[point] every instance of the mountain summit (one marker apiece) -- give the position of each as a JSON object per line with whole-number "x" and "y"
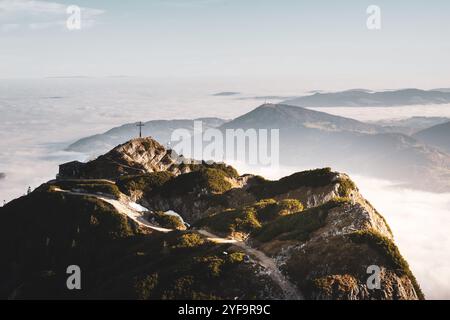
{"x": 137, "y": 156}
{"x": 197, "y": 231}
{"x": 288, "y": 116}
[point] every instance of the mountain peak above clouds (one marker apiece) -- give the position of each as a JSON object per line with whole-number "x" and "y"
{"x": 288, "y": 116}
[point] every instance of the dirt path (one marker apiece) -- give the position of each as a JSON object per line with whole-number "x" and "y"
{"x": 213, "y": 238}
{"x": 122, "y": 208}
{"x": 290, "y": 290}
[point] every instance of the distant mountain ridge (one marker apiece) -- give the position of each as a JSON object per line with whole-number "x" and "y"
{"x": 438, "y": 136}
{"x": 160, "y": 130}
{"x": 363, "y": 98}
{"x": 226, "y": 94}
{"x": 308, "y": 136}
{"x": 312, "y": 138}
{"x": 411, "y": 125}
{"x": 287, "y": 116}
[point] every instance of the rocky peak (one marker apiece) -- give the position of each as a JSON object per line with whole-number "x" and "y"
{"x": 137, "y": 156}
{"x": 144, "y": 153}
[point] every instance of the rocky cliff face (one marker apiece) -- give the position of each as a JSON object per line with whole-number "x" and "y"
{"x": 310, "y": 235}
{"x": 137, "y": 156}
{"x": 333, "y": 261}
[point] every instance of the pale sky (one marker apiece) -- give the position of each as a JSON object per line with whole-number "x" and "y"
{"x": 323, "y": 42}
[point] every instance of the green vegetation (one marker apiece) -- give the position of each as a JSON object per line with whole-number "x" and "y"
{"x": 87, "y": 186}
{"x": 104, "y": 167}
{"x": 386, "y": 247}
{"x": 215, "y": 180}
{"x": 188, "y": 240}
{"x": 228, "y": 170}
{"x": 145, "y": 285}
{"x": 266, "y": 210}
{"x": 145, "y": 182}
{"x": 165, "y": 270}
{"x": 230, "y": 221}
{"x": 211, "y": 265}
{"x": 311, "y": 178}
{"x": 346, "y": 187}
{"x": 334, "y": 286}
{"x": 289, "y": 206}
{"x": 298, "y": 226}
{"x": 45, "y": 231}
{"x": 236, "y": 257}
{"x": 209, "y": 180}
{"x": 250, "y": 218}
{"x": 270, "y": 209}
{"x": 169, "y": 221}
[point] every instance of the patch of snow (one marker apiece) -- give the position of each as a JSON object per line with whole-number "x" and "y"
{"x": 137, "y": 207}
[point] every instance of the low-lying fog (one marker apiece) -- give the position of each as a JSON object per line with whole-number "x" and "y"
{"x": 385, "y": 113}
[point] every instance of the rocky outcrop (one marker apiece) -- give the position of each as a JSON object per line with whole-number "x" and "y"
{"x": 334, "y": 261}
{"x": 137, "y": 156}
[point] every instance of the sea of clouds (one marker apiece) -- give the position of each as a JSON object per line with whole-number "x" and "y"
{"x": 39, "y": 118}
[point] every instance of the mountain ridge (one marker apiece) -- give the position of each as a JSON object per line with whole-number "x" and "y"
{"x": 282, "y": 115}
{"x": 361, "y": 98}
{"x": 350, "y": 145}
{"x": 159, "y": 129}
{"x": 438, "y": 136}
{"x": 251, "y": 238}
